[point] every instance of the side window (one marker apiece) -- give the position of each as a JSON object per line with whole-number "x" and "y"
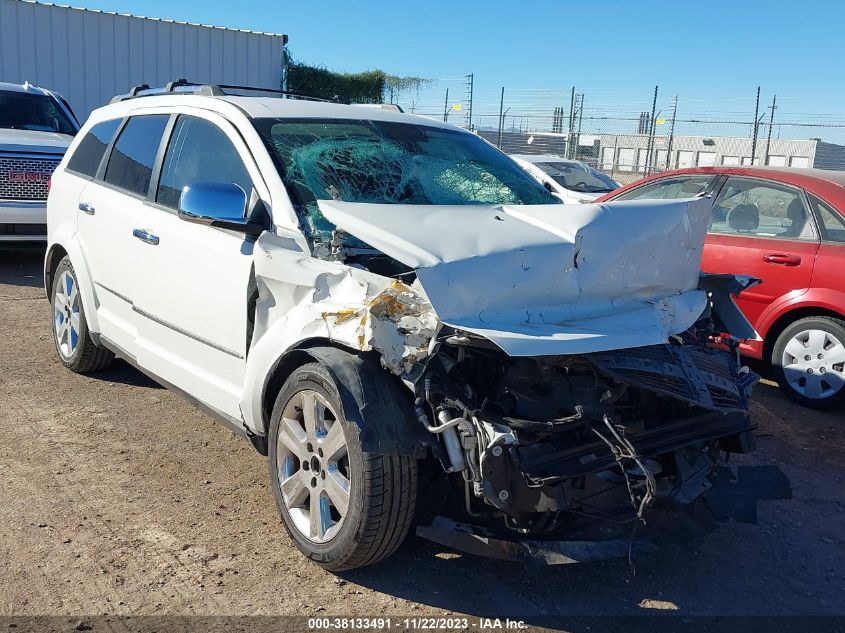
{"x": 747, "y": 206}
{"x": 131, "y": 162}
{"x": 831, "y": 223}
{"x": 199, "y": 151}
{"x": 86, "y": 159}
{"x": 670, "y": 188}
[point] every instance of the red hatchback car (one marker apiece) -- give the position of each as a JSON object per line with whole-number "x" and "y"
{"x": 786, "y": 227}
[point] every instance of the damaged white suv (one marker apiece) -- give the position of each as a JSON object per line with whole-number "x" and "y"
{"x": 402, "y": 319}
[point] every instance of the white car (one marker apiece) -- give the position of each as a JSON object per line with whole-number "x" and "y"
{"x": 36, "y": 128}
{"x": 570, "y": 180}
{"x": 400, "y": 318}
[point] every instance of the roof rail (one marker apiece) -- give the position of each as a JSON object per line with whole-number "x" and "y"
{"x": 215, "y": 90}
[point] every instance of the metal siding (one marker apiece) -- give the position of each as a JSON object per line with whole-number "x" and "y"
{"x": 135, "y": 43}
{"x": 43, "y": 67}
{"x": 75, "y": 92}
{"x": 90, "y": 56}
{"x": 60, "y": 60}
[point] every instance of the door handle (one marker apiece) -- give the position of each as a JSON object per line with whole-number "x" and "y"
{"x": 781, "y": 259}
{"x": 86, "y": 208}
{"x": 142, "y": 235}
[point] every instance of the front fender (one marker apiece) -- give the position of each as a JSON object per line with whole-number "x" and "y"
{"x": 65, "y": 237}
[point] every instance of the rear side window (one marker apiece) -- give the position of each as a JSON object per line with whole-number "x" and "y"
{"x": 831, "y": 223}
{"x": 758, "y": 208}
{"x": 199, "y": 151}
{"x": 131, "y": 162}
{"x": 670, "y": 188}
{"x": 86, "y": 159}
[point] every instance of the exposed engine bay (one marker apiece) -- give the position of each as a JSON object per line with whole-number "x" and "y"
{"x": 542, "y": 441}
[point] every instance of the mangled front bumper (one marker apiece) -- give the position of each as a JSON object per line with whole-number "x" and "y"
{"x": 729, "y": 497}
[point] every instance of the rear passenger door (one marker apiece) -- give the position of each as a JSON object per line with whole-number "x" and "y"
{"x": 192, "y": 303}
{"x": 764, "y": 229}
{"x": 108, "y": 207}
{"x": 830, "y": 261}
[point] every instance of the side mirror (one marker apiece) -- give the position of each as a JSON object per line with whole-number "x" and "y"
{"x": 217, "y": 204}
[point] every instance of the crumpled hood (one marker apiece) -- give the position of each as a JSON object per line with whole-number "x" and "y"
{"x": 33, "y": 141}
{"x": 548, "y": 279}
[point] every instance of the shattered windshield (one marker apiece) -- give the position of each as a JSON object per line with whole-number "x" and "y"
{"x": 389, "y": 163}
{"x": 578, "y": 177}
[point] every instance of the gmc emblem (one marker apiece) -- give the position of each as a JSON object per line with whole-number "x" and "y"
{"x": 28, "y": 176}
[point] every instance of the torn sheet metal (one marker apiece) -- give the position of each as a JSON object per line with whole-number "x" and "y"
{"x": 546, "y": 279}
{"x": 397, "y": 322}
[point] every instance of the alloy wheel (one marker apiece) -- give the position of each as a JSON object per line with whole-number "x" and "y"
{"x": 312, "y": 464}
{"x": 66, "y": 314}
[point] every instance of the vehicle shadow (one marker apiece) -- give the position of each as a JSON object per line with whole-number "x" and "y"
{"x": 426, "y": 573}
{"x": 123, "y": 373}
{"x": 22, "y": 265}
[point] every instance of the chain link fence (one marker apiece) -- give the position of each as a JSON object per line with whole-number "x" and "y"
{"x": 630, "y": 139}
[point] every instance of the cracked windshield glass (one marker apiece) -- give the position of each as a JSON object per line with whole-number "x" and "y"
{"x": 389, "y": 163}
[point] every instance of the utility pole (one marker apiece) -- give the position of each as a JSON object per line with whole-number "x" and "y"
{"x": 650, "y": 144}
{"x": 446, "y": 107}
{"x": 501, "y": 117}
{"x": 672, "y": 130}
{"x": 580, "y": 118}
{"x": 771, "y": 120}
{"x": 755, "y": 127}
{"x": 570, "y": 138}
{"x": 470, "y": 86}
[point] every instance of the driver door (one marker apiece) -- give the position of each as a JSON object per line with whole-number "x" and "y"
{"x": 192, "y": 302}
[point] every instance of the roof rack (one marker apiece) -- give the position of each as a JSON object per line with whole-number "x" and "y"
{"x": 183, "y": 86}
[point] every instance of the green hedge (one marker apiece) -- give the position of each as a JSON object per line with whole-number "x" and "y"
{"x": 318, "y": 81}
{"x": 372, "y": 86}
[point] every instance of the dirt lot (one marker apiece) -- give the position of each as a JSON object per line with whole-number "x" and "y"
{"x": 119, "y": 497}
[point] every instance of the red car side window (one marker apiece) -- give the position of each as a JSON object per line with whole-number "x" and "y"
{"x": 761, "y": 208}
{"x": 670, "y": 188}
{"x": 831, "y": 223}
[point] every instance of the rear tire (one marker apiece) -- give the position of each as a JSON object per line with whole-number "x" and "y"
{"x": 336, "y": 531}
{"x": 76, "y": 350}
{"x": 808, "y": 360}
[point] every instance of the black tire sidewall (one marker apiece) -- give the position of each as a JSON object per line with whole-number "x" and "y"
{"x": 832, "y": 326}
{"x": 336, "y": 550}
{"x": 74, "y": 360}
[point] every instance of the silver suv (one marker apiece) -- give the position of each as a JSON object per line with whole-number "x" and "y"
{"x": 410, "y": 327}
{"x": 36, "y": 128}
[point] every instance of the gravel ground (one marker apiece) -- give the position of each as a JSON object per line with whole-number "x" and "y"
{"x": 116, "y": 496}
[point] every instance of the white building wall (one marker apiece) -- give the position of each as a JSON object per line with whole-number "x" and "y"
{"x": 90, "y": 56}
{"x": 691, "y": 151}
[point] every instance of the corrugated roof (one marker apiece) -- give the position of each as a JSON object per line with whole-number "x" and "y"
{"x": 144, "y": 17}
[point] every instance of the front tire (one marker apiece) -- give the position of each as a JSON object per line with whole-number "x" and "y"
{"x": 344, "y": 508}
{"x": 808, "y": 359}
{"x": 76, "y": 350}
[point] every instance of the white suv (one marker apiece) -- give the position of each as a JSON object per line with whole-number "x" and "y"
{"x": 401, "y": 318}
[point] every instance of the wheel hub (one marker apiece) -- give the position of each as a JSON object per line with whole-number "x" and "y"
{"x": 814, "y": 364}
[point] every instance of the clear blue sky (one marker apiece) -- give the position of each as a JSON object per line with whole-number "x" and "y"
{"x": 711, "y": 53}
